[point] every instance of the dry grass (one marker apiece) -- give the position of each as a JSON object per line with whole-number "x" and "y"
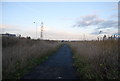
{"x": 96, "y": 60}
{"x": 18, "y": 54}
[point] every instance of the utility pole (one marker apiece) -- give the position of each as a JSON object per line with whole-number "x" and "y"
{"x": 41, "y": 30}
{"x": 36, "y": 29}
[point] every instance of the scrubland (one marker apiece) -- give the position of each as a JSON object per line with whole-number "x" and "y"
{"x": 19, "y": 55}
{"x": 96, "y": 59}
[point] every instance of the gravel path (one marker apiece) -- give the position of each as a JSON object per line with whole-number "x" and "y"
{"x": 58, "y": 66}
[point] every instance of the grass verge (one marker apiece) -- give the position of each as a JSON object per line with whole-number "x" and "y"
{"x": 20, "y": 55}
{"x": 33, "y": 62}
{"x": 96, "y": 60}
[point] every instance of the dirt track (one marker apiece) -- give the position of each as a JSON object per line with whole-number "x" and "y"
{"x": 58, "y": 66}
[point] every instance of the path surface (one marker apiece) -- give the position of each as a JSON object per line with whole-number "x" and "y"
{"x": 58, "y": 66}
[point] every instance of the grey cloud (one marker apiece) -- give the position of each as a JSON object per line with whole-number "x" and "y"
{"x": 104, "y": 31}
{"x": 108, "y": 24}
{"x": 90, "y": 20}
{"x": 96, "y": 32}
{"x": 100, "y": 24}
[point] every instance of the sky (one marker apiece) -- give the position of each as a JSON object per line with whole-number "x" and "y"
{"x": 61, "y": 20}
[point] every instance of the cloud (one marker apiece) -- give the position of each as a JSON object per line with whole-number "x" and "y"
{"x": 96, "y": 32}
{"x": 88, "y": 20}
{"x": 105, "y": 31}
{"x": 108, "y": 24}
{"x": 95, "y": 20}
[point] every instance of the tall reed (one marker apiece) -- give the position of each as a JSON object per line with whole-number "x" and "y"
{"x": 18, "y": 54}
{"x": 96, "y": 59}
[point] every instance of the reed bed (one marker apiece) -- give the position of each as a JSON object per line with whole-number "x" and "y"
{"x": 18, "y": 55}
{"x": 96, "y": 59}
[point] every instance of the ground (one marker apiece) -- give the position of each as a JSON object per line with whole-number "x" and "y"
{"x": 58, "y": 66}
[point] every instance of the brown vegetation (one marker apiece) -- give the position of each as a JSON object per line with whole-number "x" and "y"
{"x": 21, "y": 54}
{"x": 96, "y": 59}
